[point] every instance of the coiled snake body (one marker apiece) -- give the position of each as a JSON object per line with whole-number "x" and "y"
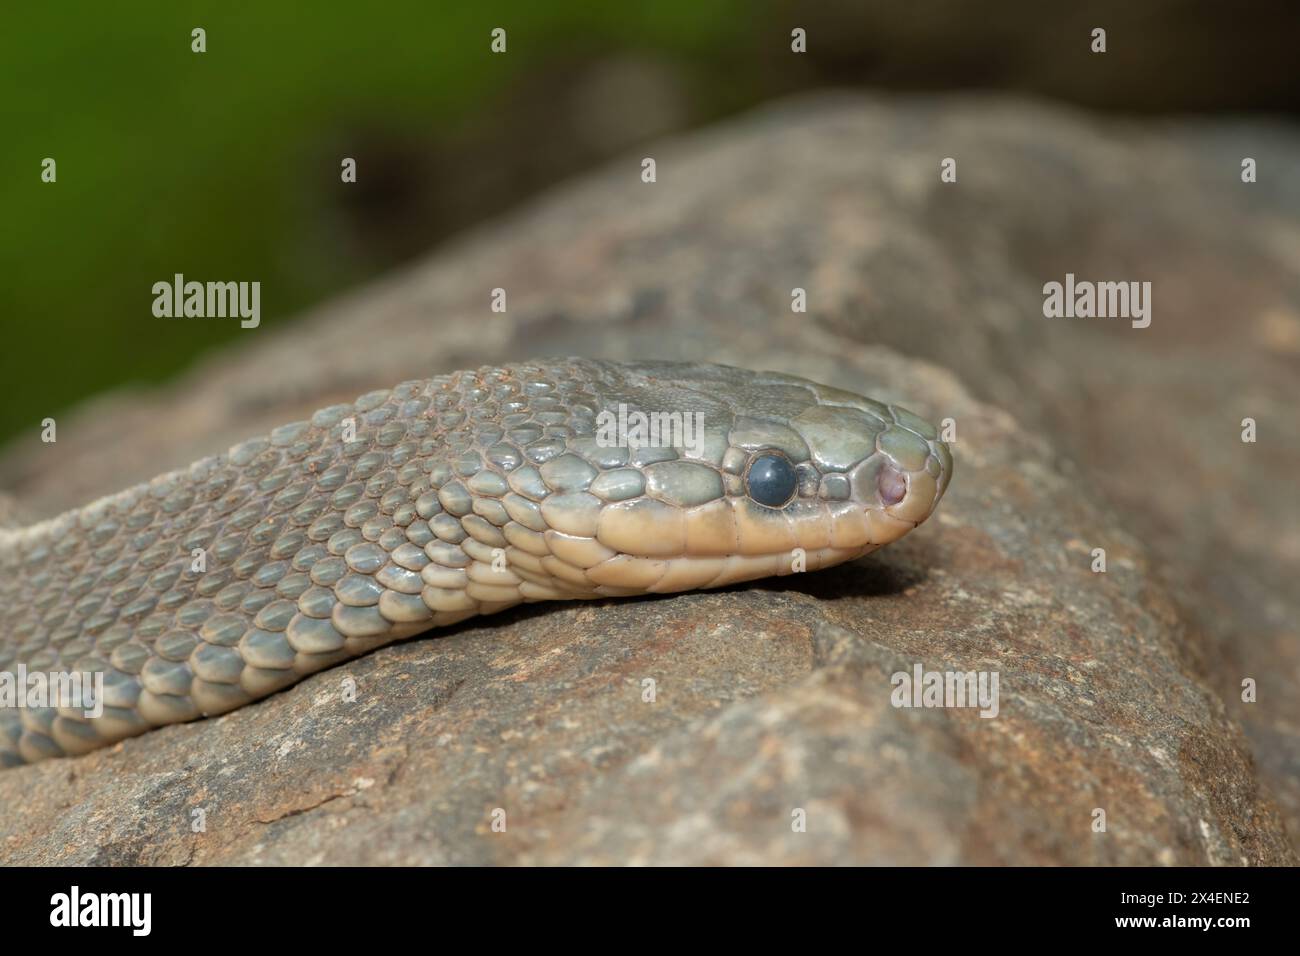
{"x": 437, "y": 500}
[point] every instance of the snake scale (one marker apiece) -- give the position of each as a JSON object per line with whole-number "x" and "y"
{"x": 422, "y": 505}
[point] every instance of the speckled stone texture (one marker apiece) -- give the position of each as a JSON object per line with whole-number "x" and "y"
{"x": 1118, "y": 691}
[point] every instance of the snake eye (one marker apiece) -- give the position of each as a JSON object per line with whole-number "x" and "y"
{"x": 771, "y": 480}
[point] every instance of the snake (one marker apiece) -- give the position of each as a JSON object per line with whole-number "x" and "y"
{"x": 428, "y": 503}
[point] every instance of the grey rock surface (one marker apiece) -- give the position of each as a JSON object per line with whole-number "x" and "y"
{"x": 1120, "y": 691}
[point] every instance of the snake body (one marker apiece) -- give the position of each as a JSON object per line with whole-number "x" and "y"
{"x": 431, "y": 502}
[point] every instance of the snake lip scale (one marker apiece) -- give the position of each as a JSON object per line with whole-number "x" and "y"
{"x": 431, "y": 502}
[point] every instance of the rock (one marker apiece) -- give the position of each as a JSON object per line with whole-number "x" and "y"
{"x": 776, "y": 697}
{"x": 769, "y": 699}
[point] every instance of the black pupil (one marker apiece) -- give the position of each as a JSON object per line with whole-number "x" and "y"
{"x": 771, "y": 480}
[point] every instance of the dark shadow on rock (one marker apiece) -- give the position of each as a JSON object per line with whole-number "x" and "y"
{"x": 871, "y": 576}
{"x": 866, "y": 577}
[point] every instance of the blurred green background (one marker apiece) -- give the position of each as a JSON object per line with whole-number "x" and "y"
{"x": 225, "y": 165}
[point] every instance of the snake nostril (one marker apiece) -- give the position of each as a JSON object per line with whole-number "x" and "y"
{"x": 891, "y": 485}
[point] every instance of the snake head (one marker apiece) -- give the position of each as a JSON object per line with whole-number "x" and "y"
{"x": 767, "y": 474}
